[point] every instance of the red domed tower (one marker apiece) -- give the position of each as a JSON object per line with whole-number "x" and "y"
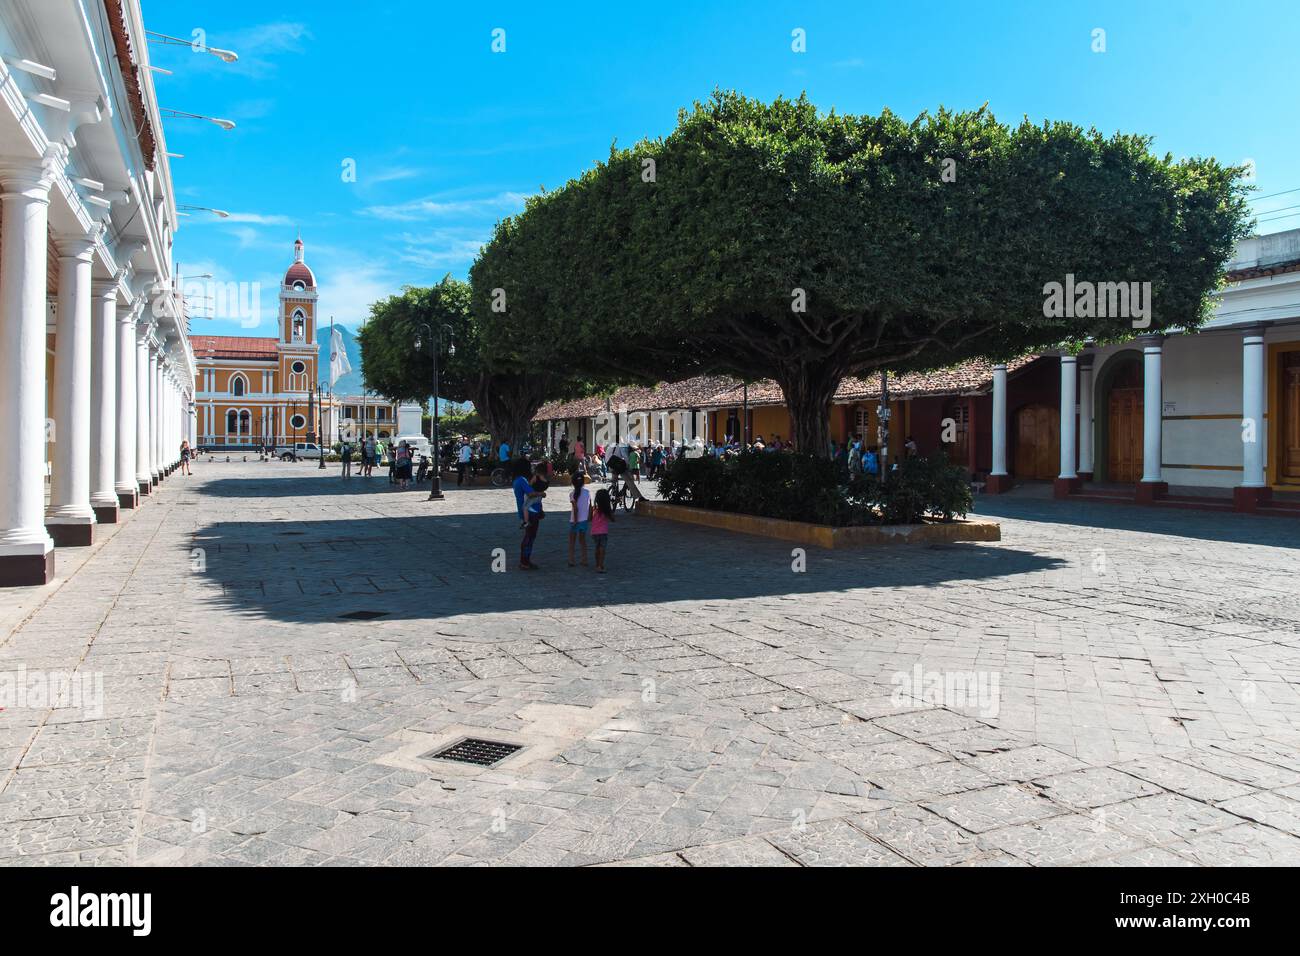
{"x": 297, "y": 344}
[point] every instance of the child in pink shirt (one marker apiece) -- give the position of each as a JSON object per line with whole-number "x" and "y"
{"x": 601, "y": 515}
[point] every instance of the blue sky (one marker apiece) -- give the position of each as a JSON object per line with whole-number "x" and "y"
{"x": 448, "y": 136}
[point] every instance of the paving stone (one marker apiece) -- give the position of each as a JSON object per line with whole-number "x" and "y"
{"x": 707, "y": 707}
{"x": 981, "y": 810}
{"x": 1165, "y": 817}
{"x": 1241, "y": 846}
{"x": 1183, "y": 778}
{"x": 1060, "y": 841}
{"x": 1094, "y": 787}
{"x": 833, "y": 843}
{"x": 752, "y": 851}
{"x": 921, "y": 836}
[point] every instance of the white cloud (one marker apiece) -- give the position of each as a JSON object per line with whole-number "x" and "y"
{"x": 433, "y": 207}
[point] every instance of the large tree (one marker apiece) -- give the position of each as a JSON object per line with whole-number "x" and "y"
{"x": 505, "y": 392}
{"x": 772, "y": 240}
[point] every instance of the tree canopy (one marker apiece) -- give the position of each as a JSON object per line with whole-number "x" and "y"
{"x": 773, "y": 240}
{"x": 491, "y": 366}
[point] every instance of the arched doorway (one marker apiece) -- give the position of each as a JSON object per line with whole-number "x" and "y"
{"x": 1119, "y": 419}
{"x": 1038, "y": 442}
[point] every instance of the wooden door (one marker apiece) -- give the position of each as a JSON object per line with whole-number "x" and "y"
{"x": 959, "y": 452}
{"x": 1038, "y": 442}
{"x": 1124, "y": 440}
{"x": 1289, "y": 426}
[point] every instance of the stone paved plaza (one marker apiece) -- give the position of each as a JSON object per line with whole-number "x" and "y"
{"x": 1107, "y": 685}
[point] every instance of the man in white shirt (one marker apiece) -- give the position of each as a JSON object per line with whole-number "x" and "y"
{"x": 462, "y": 462}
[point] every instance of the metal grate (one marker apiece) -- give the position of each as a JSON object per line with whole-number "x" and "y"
{"x": 481, "y": 753}
{"x": 363, "y": 615}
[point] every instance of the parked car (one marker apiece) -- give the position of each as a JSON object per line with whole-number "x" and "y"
{"x": 297, "y": 450}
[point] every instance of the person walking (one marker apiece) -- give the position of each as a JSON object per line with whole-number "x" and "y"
{"x": 345, "y": 456}
{"x": 601, "y": 515}
{"x": 401, "y": 465}
{"x": 462, "y": 461}
{"x": 579, "y": 515}
{"x": 634, "y": 463}
{"x": 185, "y": 457}
{"x": 871, "y": 462}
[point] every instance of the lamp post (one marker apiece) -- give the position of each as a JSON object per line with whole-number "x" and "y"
{"x": 435, "y": 344}
{"x": 320, "y": 424}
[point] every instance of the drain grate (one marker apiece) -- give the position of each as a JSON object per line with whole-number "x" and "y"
{"x": 481, "y": 753}
{"x": 363, "y": 615}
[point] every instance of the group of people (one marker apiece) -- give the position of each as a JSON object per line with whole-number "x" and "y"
{"x": 646, "y": 460}
{"x": 587, "y": 515}
{"x": 470, "y": 455}
{"x": 401, "y": 459}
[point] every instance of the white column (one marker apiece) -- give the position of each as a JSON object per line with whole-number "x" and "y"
{"x": 151, "y": 440}
{"x": 103, "y": 402}
{"x": 69, "y": 516}
{"x": 143, "y": 478}
{"x": 999, "y": 420}
{"x": 1252, "y": 409}
{"x": 26, "y": 550}
{"x": 1152, "y": 409}
{"x": 124, "y": 473}
{"x": 1069, "y": 387}
{"x": 1086, "y": 430}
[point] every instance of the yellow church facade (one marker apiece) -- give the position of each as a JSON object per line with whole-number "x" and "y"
{"x": 254, "y": 391}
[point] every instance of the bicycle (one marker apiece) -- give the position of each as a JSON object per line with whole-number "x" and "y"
{"x": 620, "y": 496}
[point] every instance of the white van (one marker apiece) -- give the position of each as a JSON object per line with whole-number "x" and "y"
{"x": 418, "y": 444}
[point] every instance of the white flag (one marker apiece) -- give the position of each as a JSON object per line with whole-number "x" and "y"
{"x": 339, "y": 364}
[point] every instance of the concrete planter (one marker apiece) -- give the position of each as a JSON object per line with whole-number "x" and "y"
{"x": 825, "y": 536}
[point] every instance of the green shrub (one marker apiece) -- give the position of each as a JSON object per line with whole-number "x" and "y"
{"x": 801, "y": 487}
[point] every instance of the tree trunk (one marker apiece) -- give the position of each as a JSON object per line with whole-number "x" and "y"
{"x": 808, "y": 392}
{"x": 507, "y": 404}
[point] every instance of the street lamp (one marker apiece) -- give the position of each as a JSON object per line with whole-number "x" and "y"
{"x": 219, "y": 213}
{"x": 181, "y": 114}
{"x": 320, "y": 424}
{"x": 435, "y": 342}
{"x": 225, "y": 56}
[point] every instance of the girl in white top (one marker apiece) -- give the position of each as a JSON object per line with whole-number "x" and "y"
{"x": 579, "y": 515}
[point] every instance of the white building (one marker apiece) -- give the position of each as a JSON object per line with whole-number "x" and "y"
{"x": 96, "y": 377}
{"x": 1214, "y": 409}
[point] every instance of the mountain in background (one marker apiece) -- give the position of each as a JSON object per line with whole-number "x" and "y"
{"x": 350, "y": 384}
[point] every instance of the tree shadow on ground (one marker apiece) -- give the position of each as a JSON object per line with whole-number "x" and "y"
{"x": 1235, "y": 528}
{"x": 442, "y": 565}
{"x": 314, "y": 483}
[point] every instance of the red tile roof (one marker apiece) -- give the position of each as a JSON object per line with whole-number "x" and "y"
{"x": 688, "y": 393}
{"x": 234, "y": 347}
{"x": 719, "y": 391}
